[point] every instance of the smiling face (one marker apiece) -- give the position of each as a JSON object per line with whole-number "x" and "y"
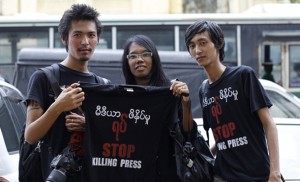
{"x": 140, "y": 66}
{"x": 82, "y": 40}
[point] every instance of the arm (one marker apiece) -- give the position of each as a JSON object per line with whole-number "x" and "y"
{"x": 213, "y": 149}
{"x": 272, "y": 141}
{"x": 38, "y": 121}
{"x": 181, "y": 89}
{"x": 187, "y": 114}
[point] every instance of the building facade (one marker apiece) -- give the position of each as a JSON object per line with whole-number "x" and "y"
{"x": 50, "y": 7}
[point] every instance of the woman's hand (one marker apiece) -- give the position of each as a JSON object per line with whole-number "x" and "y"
{"x": 180, "y": 89}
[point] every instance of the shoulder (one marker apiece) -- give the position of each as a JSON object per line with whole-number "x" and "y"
{"x": 203, "y": 88}
{"x": 246, "y": 68}
{"x": 38, "y": 75}
{"x": 242, "y": 71}
{"x": 203, "y": 85}
{"x": 38, "y": 80}
{"x": 242, "y": 68}
{"x": 38, "y": 88}
{"x": 105, "y": 80}
{"x": 102, "y": 80}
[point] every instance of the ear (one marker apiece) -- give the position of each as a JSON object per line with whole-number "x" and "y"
{"x": 222, "y": 41}
{"x": 221, "y": 44}
{"x": 63, "y": 41}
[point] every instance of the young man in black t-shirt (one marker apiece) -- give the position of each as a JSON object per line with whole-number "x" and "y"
{"x": 235, "y": 107}
{"x": 50, "y": 119}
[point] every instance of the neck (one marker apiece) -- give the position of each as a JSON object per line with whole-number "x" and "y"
{"x": 215, "y": 71}
{"x": 143, "y": 82}
{"x": 77, "y": 65}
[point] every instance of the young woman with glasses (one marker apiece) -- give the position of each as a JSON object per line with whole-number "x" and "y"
{"x": 141, "y": 65}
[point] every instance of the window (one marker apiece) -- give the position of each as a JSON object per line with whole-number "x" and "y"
{"x": 182, "y": 46}
{"x": 162, "y": 36}
{"x": 105, "y": 41}
{"x": 294, "y": 65}
{"x": 12, "y": 40}
{"x": 230, "y": 48}
{"x": 57, "y": 41}
{"x": 271, "y": 53}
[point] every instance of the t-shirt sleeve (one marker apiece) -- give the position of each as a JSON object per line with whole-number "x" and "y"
{"x": 38, "y": 89}
{"x": 257, "y": 95}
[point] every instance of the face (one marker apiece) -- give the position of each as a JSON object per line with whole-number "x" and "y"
{"x": 141, "y": 65}
{"x": 203, "y": 49}
{"x": 82, "y": 40}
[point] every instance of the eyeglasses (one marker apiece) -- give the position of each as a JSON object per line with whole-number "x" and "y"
{"x": 136, "y": 56}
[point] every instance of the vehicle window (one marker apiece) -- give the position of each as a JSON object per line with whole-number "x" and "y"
{"x": 272, "y": 53}
{"x": 162, "y": 36}
{"x": 294, "y": 60}
{"x": 12, "y": 40}
{"x": 282, "y": 107}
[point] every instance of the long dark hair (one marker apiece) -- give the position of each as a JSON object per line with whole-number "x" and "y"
{"x": 214, "y": 31}
{"x": 157, "y": 76}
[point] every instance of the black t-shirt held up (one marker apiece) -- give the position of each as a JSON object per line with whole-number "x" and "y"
{"x": 124, "y": 128}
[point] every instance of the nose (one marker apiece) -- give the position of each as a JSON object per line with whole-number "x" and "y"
{"x": 85, "y": 40}
{"x": 198, "y": 49}
{"x": 139, "y": 59}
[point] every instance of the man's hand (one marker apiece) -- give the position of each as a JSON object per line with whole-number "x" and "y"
{"x": 75, "y": 122}
{"x": 70, "y": 98}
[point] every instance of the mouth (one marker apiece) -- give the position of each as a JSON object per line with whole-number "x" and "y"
{"x": 198, "y": 59}
{"x": 140, "y": 67}
{"x": 84, "y": 50}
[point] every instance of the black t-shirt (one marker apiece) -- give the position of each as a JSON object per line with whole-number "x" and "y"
{"x": 125, "y": 125}
{"x": 229, "y": 106}
{"x": 39, "y": 90}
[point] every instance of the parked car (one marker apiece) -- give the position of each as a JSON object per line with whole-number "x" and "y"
{"x": 286, "y": 115}
{"x": 12, "y": 114}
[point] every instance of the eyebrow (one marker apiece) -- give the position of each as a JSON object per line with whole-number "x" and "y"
{"x": 80, "y": 31}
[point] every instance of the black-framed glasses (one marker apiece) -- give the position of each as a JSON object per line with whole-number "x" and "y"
{"x": 136, "y": 56}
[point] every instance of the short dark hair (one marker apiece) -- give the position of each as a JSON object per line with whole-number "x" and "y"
{"x": 75, "y": 13}
{"x": 214, "y": 31}
{"x": 157, "y": 76}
